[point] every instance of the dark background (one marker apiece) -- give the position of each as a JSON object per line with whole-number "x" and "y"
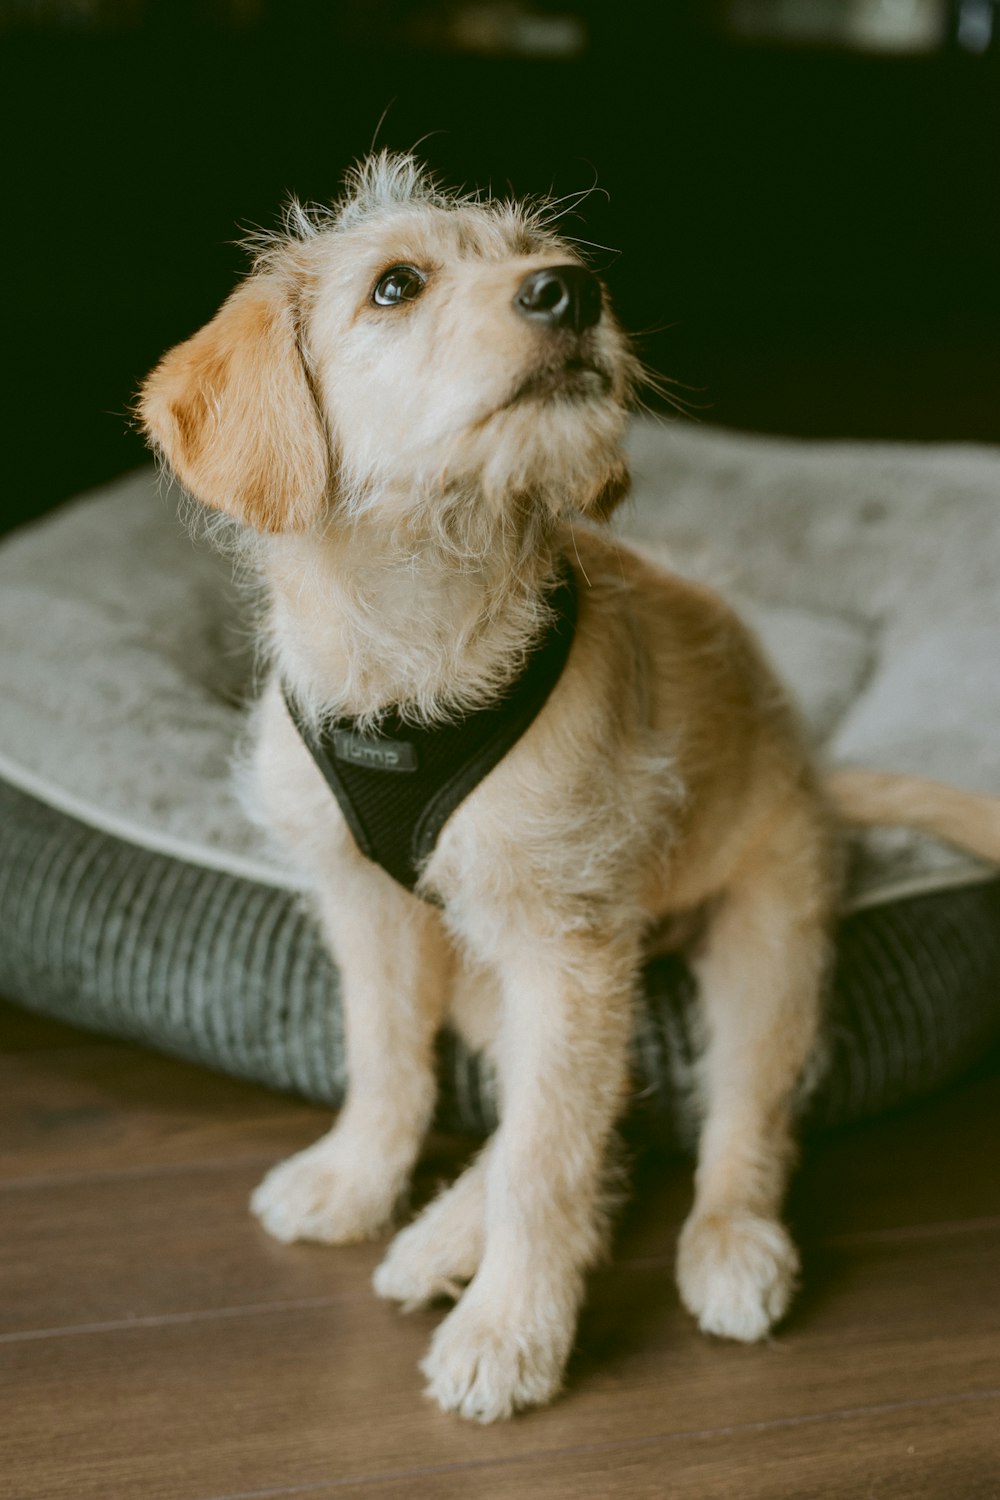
{"x": 811, "y": 228}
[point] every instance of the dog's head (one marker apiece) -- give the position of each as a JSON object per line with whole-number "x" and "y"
{"x": 409, "y": 346}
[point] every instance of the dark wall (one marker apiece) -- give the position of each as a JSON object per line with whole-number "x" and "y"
{"x": 815, "y": 234}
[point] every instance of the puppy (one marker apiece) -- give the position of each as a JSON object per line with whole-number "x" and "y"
{"x": 414, "y": 410}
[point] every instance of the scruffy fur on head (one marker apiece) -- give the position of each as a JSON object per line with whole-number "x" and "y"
{"x": 409, "y": 469}
{"x": 242, "y": 409}
{"x": 390, "y": 450}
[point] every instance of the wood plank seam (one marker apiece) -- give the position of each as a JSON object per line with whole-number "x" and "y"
{"x": 836, "y": 1414}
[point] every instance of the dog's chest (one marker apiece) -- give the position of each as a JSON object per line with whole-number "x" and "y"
{"x": 398, "y": 784}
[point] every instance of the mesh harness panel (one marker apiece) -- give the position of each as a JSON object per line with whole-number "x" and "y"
{"x": 398, "y": 784}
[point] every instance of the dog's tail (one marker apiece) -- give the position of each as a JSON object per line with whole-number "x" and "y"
{"x": 871, "y": 798}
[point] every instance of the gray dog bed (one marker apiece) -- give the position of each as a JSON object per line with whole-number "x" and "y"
{"x": 135, "y": 898}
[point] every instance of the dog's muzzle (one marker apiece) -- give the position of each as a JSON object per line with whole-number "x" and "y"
{"x": 560, "y": 297}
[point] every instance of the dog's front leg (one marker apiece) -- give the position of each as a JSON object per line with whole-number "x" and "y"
{"x": 562, "y": 1059}
{"x": 394, "y": 962}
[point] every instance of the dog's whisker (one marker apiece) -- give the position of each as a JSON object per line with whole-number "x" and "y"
{"x": 575, "y": 239}
{"x": 552, "y": 206}
{"x": 576, "y": 554}
{"x": 667, "y": 389}
{"x": 381, "y": 121}
{"x": 427, "y": 136}
{"x": 641, "y": 333}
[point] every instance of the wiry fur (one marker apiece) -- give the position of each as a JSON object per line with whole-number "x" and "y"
{"x": 408, "y": 477}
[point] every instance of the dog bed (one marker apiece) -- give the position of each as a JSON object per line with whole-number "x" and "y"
{"x": 136, "y": 899}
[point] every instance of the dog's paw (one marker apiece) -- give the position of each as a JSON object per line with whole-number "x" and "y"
{"x": 486, "y": 1364}
{"x": 440, "y": 1251}
{"x": 415, "y": 1279}
{"x": 321, "y": 1195}
{"x": 420, "y": 1266}
{"x": 736, "y": 1273}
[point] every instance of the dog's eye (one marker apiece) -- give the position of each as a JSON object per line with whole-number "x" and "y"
{"x": 400, "y": 284}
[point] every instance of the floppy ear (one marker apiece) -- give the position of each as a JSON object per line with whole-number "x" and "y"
{"x": 232, "y": 412}
{"x": 610, "y": 491}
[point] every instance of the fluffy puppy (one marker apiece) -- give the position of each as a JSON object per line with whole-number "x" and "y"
{"x": 414, "y": 407}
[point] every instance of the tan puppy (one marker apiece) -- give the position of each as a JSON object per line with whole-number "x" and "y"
{"x": 415, "y": 407}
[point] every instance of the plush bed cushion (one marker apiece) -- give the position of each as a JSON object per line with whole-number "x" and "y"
{"x": 136, "y": 898}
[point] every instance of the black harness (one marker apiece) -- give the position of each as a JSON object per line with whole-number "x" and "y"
{"x": 398, "y": 784}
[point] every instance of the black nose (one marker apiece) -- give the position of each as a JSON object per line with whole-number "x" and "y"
{"x": 561, "y": 297}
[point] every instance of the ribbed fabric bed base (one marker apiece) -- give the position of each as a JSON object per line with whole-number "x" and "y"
{"x": 230, "y": 973}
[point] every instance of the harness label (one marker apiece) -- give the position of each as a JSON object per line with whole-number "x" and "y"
{"x": 373, "y": 752}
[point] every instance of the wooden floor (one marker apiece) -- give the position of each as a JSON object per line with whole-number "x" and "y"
{"x": 156, "y": 1344}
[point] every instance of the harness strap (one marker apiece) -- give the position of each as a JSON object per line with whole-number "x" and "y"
{"x": 398, "y": 784}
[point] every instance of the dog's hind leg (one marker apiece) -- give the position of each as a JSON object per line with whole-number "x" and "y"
{"x": 440, "y": 1251}
{"x": 761, "y": 975}
{"x": 562, "y": 1058}
{"x": 395, "y": 966}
